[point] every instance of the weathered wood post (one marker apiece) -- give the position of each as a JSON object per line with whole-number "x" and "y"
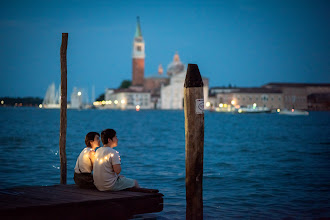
{"x": 194, "y": 132}
{"x": 63, "y": 106}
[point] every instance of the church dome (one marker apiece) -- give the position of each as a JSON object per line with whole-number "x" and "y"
{"x": 176, "y": 66}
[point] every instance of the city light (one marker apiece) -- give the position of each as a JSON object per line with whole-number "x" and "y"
{"x": 40, "y": 105}
{"x": 79, "y": 93}
{"x": 122, "y": 101}
{"x": 225, "y": 105}
{"x": 220, "y": 105}
{"x": 233, "y": 102}
{"x": 208, "y": 104}
{"x": 137, "y": 108}
{"x": 2, "y": 102}
{"x": 116, "y": 102}
{"x": 278, "y": 110}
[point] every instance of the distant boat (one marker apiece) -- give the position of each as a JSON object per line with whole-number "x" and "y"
{"x": 253, "y": 109}
{"x": 52, "y": 98}
{"x": 293, "y": 112}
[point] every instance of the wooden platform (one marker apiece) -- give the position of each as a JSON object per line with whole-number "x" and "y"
{"x": 71, "y": 202}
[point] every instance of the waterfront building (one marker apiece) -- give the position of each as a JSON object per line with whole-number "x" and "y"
{"x": 172, "y": 93}
{"x": 127, "y": 99}
{"x": 231, "y": 98}
{"x": 304, "y": 95}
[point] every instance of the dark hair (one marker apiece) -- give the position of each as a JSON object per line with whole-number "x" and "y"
{"x": 106, "y": 134}
{"x": 90, "y": 137}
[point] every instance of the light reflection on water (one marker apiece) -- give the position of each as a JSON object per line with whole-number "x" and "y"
{"x": 255, "y": 166}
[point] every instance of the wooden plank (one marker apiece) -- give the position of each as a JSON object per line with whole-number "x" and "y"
{"x": 53, "y": 201}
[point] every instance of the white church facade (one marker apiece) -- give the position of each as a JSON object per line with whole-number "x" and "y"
{"x": 172, "y": 93}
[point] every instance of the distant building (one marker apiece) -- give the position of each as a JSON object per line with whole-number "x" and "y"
{"x": 138, "y": 57}
{"x": 127, "y": 99}
{"x": 172, "y": 93}
{"x": 157, "y": 91}
{"x": 153, "y": 84}
{"x": 240, "y": 97}
{"x": 108, "y": 93}
{"x": 295, "y": 95}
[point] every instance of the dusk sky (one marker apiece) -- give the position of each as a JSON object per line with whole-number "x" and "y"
{"x": 244, "y": 43}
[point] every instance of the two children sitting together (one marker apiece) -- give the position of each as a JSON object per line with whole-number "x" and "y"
{"x": 105, "y": 164}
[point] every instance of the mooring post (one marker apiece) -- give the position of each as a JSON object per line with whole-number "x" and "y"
{"x": 194, "y": 132}
{"x": 63, "y": 106}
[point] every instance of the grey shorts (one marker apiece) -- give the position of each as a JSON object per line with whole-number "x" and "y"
{"x": 123, "y": 183}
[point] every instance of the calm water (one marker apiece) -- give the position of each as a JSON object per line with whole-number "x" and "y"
{"x": 255, "y": 166}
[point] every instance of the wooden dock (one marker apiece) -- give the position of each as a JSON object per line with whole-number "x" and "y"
{"x": 71, "y": 202}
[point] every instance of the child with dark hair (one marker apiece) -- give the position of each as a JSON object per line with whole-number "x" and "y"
{"x": 108, "y": 165}
{"x": 83, "y": 170}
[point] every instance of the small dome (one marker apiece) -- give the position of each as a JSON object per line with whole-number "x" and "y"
{"x": 176, "y": 66}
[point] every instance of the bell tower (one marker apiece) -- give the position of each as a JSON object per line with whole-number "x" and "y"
{"x": 138, "y": 57}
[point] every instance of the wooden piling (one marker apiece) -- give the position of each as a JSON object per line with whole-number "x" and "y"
{"x": 63, "y": 107}
{"x": 194, "y": 132}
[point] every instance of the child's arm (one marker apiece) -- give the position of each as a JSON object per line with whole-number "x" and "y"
{"x": 117, "y": 168}
{"x": 116, "y": 161}
{"x": 92, "y": 157}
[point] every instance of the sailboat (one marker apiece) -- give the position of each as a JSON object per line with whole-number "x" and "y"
{"x": 52, "y": 98}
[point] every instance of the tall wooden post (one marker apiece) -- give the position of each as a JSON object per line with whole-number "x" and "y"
{"x": 63, "y": 106}
{"x": 194, "y": 132}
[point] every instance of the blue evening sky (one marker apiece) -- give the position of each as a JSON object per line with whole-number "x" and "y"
{"x": 245, "y": 43}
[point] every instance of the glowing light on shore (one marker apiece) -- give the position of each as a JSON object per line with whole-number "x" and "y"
{"x": 220, "y": 105}
{"x": 278, "y": 110}
{"x": 103, "y": 102}
{"x": 40, "y": 105}
{"x": 233, "y": 102}
{"x": 239, "y": 110}
{"x": 116, "y": 102}
{"x": 111, "y": 155}
{"x": 208, "y": 104}
{"x": 2, "y": 102}
{"x": 122, "y": 101}
{"x": 79, "y": 93}
{"x": 225, "y": 105}
{"x": 137, "y": 108}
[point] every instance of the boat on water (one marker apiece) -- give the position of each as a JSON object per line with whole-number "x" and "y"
{"x": 52, "y": 98}
{"x": 293, "y": 112}
{"x": 252, "y": 109}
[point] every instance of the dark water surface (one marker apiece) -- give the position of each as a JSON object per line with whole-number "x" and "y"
{"x": 255, "y": 166}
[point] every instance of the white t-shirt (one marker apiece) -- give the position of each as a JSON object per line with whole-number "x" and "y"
{"x": 83, "y": 162}
{"x": 104, "y": 175}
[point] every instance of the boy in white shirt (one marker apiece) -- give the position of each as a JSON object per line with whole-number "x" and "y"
{"x": 107, "y": 165}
